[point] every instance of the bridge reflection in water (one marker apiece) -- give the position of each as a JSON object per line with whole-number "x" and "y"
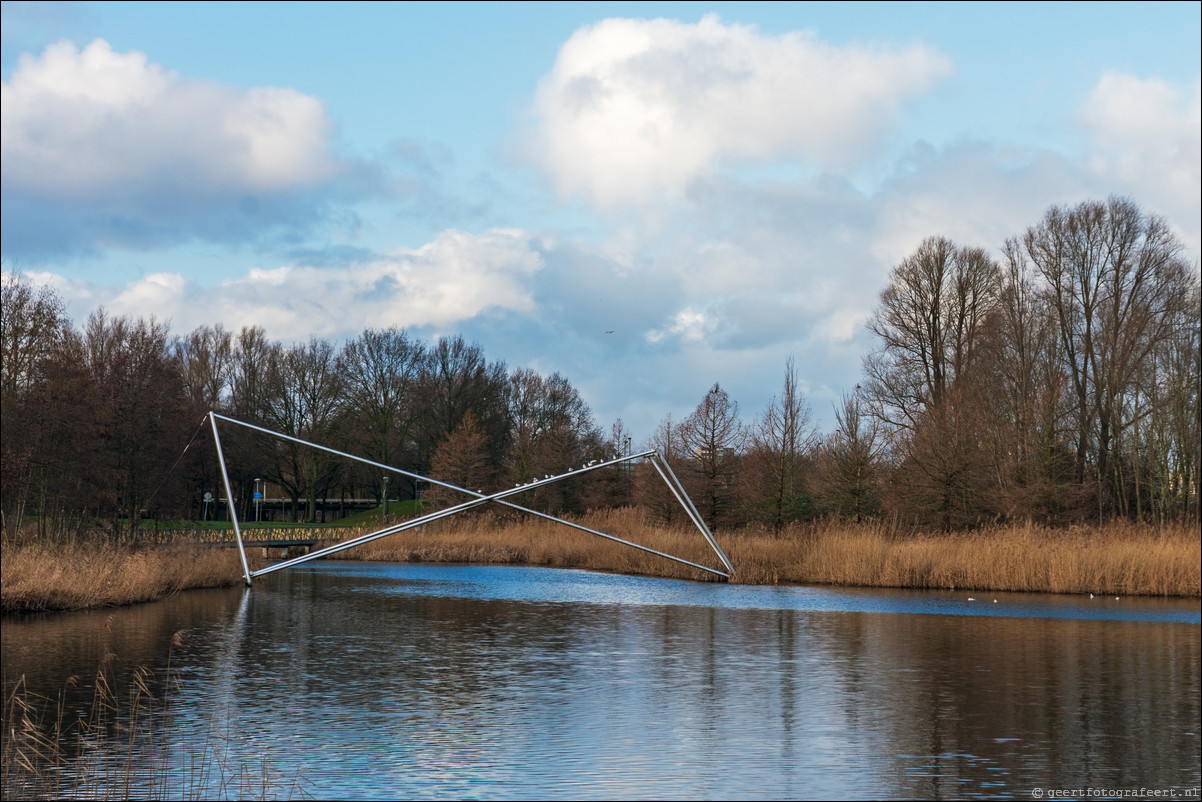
{"x": 404, "y": 681}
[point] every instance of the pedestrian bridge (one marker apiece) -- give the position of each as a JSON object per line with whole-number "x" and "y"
{"x": 653, "y": 457}
{"x": 287, "y": 539}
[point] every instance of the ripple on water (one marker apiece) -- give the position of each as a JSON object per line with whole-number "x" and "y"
{"x": 379, "y": 681}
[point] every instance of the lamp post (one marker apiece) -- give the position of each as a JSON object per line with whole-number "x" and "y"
{"x": 258, "y": 501}
{"x": 385, "y": 498}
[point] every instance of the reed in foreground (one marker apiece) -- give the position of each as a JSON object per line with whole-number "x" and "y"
{"x": 127, "y": 747}
{"x": 1119, "y": 558}
{"x": 81, "y": 576}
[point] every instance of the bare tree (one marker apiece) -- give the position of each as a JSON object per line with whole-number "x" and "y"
{"x": 552, "y": 432}
{"x": 32, "y": 320}
{"x": 381, "y": 370}
{"x": 650, "y": 490}
{"x": 205, "y": 359}
{"x": 929, "y": 324}
{"x": 205, "y": 362}
{"x": 942, "y": 477}
{"x": 780, "y": 447}
{"x": 1022, "y": 398}
{"x": 33, "y": 331}
{"x": 139, "y": 395}
{"x": 847, "y": 477}
{"x": 713, "y": 438}
{"x": 925, "y": 380}
{"x": 1115, "y": 279}
{"x": 305, "y": 401}
{"x": 614, "y": 486}
{"x": 456, "y": 378}
{"x": 1166, "y": 444}
{"x": 254, "y": 361}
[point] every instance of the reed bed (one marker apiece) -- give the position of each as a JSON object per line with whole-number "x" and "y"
{"x": 37, "y": 577}
{"x": 126, "y": 747}
{"x": 1118, "y": 558}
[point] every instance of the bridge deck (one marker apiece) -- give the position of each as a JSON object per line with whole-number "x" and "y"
{"x": 262, "y": 537}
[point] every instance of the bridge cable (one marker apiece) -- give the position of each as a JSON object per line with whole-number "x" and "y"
{"x": 167, "y": 475}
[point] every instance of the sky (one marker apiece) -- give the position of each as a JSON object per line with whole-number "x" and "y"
{"x": 649, "y": 198}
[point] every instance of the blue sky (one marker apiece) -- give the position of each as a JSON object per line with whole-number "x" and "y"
{"x": 720, "y": 185}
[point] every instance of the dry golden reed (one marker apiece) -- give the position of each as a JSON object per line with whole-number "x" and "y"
{"x": 1119, "y": 558}
{"x": 76, "y": 577}
{"x": 114, "y": 752}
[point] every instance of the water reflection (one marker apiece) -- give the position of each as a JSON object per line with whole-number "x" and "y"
{"x": 433, "y": 681}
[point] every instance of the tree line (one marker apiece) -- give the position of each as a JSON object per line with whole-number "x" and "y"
{"x": 1057, "y": 383}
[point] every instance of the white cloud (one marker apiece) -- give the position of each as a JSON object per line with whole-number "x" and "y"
{"x": 634, "y": 109}
{"x": 104, "y": 148}
{"x": 438, "y": 286}
{"x": 1148, "y": 135}
{"x": 81, "y": 122}
{"x": 688, "y": 324}
{"x": 749, "y": 271}
{"x": 155, "y": 292}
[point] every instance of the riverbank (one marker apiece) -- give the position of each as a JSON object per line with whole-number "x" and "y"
{"x": 1119, "y": 559}
{"x": 81, "y": 576}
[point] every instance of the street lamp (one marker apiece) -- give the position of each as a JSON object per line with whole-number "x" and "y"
{"x": 385, "y": 498}
{"x": 258, "y": 501}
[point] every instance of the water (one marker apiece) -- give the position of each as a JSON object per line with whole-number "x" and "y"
{"x": 368, "y": 680}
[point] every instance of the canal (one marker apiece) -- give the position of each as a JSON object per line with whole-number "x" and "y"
{"x": 378, "y": 681}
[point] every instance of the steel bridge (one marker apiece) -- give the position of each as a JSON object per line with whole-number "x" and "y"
{"x": 479, "y": 499}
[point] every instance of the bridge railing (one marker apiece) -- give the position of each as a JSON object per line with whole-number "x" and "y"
{"x": 256, "y": 534}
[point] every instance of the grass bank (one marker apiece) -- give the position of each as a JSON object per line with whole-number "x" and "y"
{"x": 82, "y": 576}
{"x": 1118, "y": 558}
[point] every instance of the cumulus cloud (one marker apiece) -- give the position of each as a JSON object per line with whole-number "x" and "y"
{"x": 129, "y": 152}
{"x": 634, "y": 109}
{"x": 689, "y": 325}
{"x": 1148, "y": 135}
{"x": 436, "y": 287}
{"x": 749, "y": 271}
